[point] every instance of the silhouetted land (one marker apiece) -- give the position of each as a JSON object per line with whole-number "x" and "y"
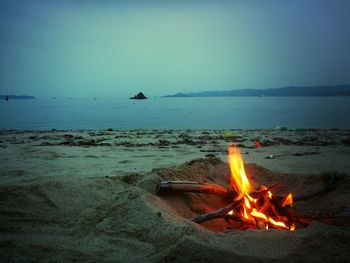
{"x": 339, "y": 90}
{"x": 16, "y": 97}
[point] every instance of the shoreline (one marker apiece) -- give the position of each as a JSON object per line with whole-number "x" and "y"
{"x": 118, "y": 151}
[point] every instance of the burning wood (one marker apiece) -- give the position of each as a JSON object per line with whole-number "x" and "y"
{"x": 216, "y": 214}
{"x": 256, "y": 209}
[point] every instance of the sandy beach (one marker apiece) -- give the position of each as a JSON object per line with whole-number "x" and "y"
{"x": 91, "y": 195}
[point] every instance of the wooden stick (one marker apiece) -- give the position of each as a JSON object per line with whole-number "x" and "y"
{"x": 339, "y": 216}
{"x": 194, "y": 187}
{"x": 220, "y": 213}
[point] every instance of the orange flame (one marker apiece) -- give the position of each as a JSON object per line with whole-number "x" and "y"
{"x": 258, "y": 214}
{"x": 288, "y": 200}
{"x": 269, "y": 194}
{"x": 252, "y": 211}
{"x": 277, "y": 223}
{"x": 239, "y": 180}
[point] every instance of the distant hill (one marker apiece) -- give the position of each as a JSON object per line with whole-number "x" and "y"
{"x": 339, "y": 90}
{"x": 16, "y": 97}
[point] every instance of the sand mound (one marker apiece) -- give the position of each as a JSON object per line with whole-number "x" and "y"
{"x": 122, "y": 219}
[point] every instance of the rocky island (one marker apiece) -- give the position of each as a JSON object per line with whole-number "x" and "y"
{"x": 139, "y": 96}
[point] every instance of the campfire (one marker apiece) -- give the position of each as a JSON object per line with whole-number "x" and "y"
{"x": 256, "y": 206}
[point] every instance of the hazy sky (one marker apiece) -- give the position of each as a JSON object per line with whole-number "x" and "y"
{"x": 117, "y": 48}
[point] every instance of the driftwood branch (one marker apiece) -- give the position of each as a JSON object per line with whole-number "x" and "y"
{"x": 194, "y": 187}
{"x": 205, "y": 188}
{"x": 220, "y": 213}
{"x": 338, "y": 216}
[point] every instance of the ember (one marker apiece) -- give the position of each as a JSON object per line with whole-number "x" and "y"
{"x": 251, "y": 206}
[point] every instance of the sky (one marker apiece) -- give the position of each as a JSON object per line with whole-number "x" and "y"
{"x": 118, "y": 48}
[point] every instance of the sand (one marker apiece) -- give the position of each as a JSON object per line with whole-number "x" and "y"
{"x": 90, "y": 195}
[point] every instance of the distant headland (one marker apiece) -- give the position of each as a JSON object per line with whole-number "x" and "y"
{"x": 16, "y": 97}
{"x": 302, "y": 91}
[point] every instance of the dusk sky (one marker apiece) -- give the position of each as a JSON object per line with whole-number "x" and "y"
{"x": 118, "y": 48}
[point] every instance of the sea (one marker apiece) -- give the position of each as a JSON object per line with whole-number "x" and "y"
{"x": 176, "y": 113}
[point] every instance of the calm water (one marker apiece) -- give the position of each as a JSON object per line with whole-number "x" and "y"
{"x": 176, "y": 113}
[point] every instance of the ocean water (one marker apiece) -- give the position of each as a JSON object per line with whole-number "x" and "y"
{"x": 176, "y": 113}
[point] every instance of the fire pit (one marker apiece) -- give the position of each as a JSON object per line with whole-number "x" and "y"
{"x": 244, "y": 205}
